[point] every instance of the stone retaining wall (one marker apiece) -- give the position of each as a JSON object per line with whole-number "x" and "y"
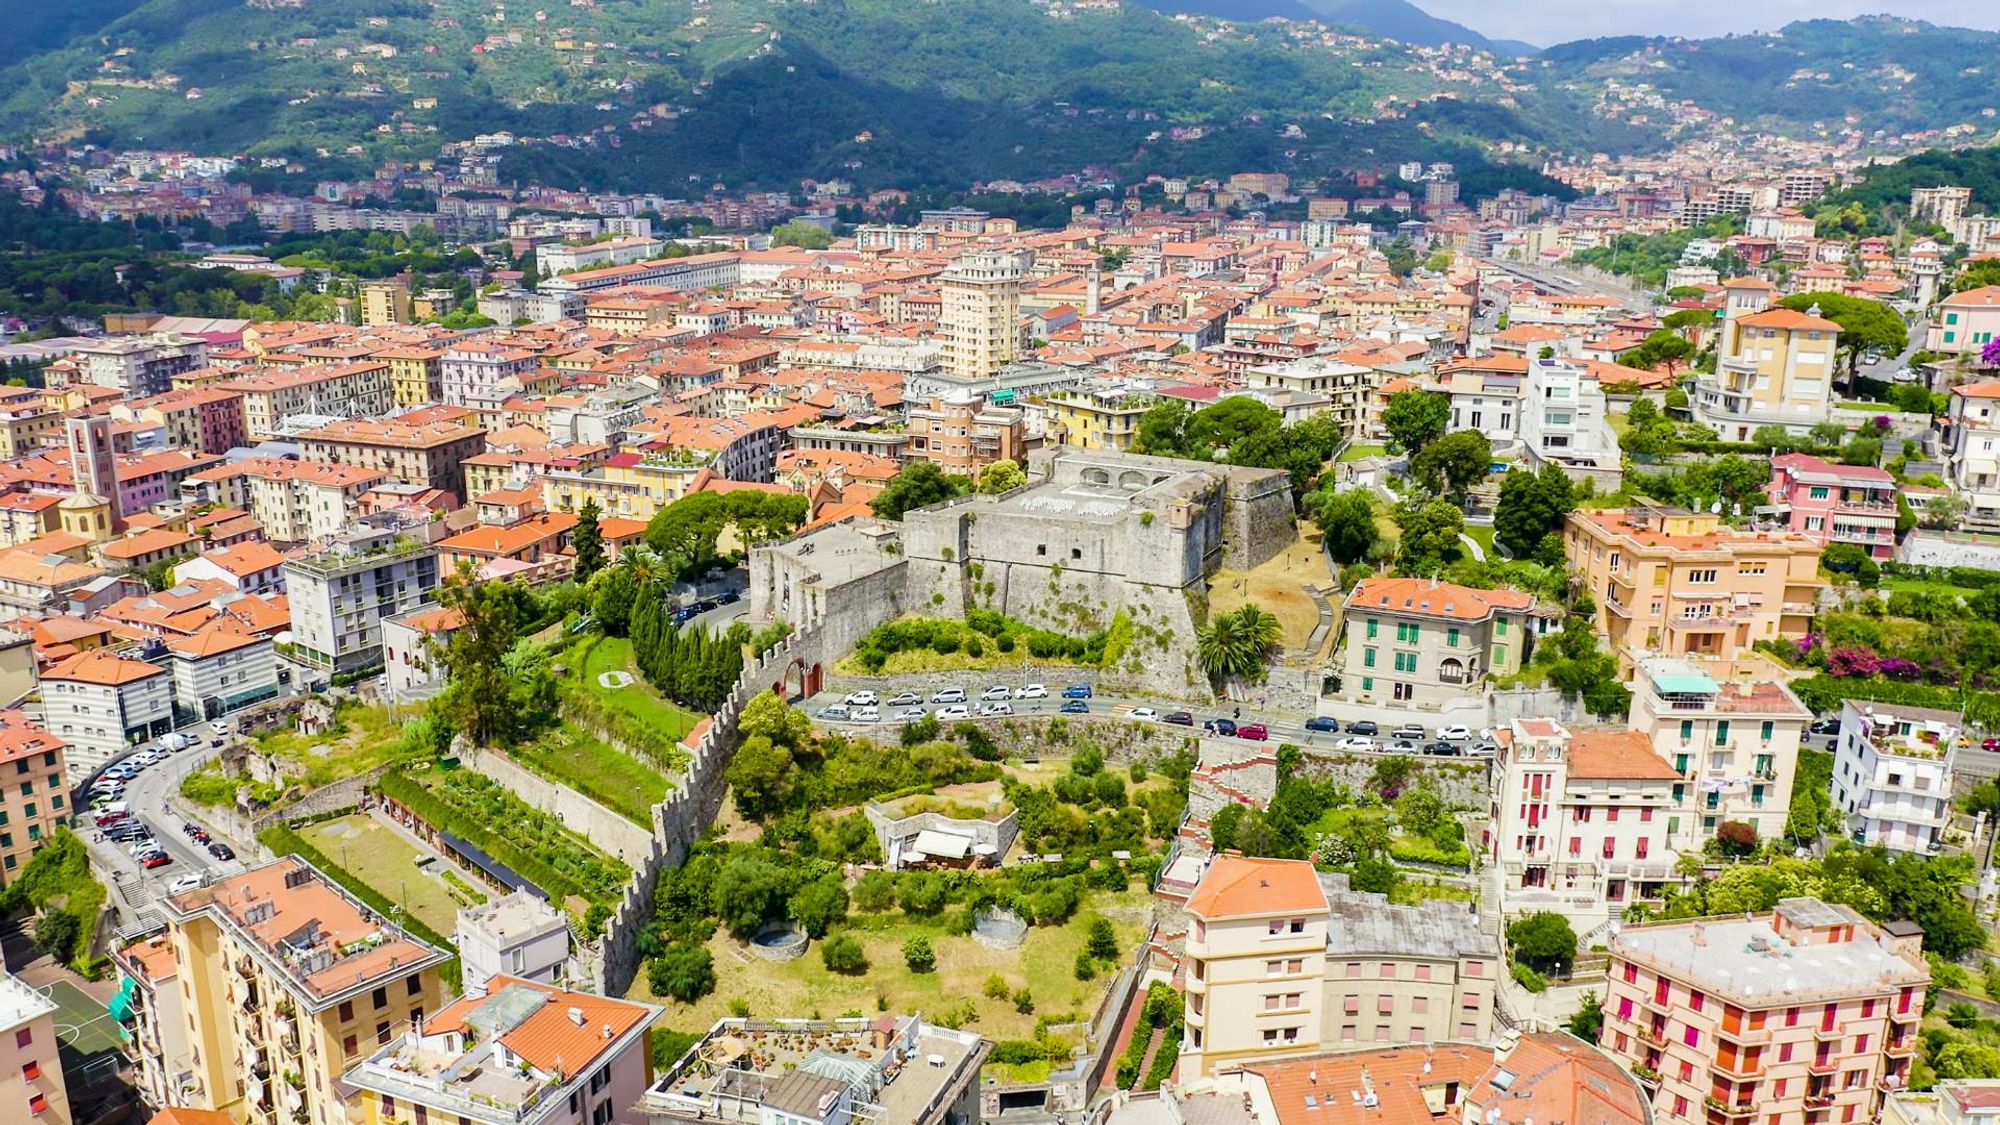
{"x": 608, "y": 830}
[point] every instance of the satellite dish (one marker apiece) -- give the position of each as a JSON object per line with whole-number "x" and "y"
{"x": 1715, "y": 509}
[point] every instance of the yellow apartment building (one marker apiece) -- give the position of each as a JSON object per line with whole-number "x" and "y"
{"x": 1670, "y": 582}
{"x": 1774, "y": 365}
{"x": 287, "y": 981}
{"x": 415, "y": 375}
{"x": 1106, "y": 419}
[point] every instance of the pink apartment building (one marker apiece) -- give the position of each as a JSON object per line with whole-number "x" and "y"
{"x": 1831, "y": 503}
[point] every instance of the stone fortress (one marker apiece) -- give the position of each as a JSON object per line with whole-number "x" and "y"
{"x": 1089, "y": 535}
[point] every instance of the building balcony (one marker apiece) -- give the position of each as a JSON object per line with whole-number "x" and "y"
{"x": 1649, "y": 1036}
{"x": 1719, "y": 1109}
{"x": 1901, "y": 1047}
{"x": 1739, "y": 1070}
{"x": 1822, "y": 1100}
{"x": 1827, "y": 1065}
{"x": 1745, "y": 1034}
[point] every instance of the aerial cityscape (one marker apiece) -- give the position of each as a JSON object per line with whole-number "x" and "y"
{"x": 998, "y": 562}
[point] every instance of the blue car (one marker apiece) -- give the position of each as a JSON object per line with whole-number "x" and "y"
{"x": 1076, "y": 707}
{"x": 1324, "y": 724}
{"x": 1076, "y": 691}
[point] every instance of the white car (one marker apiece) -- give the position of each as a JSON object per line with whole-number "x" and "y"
{"x": 1454, "y": 734}
{"x": 222, "y": 726}
{"x": 948, "y": 695}
{"x": 997, "y": 691}
{"x": 1355, "y": 742}
{"x": 1032, "y": 691}
{"x": 996, "y": 707}
{"x": 911, "y": 715}
{"x": 1146, "y": 714}
{"x": 837, "y": 713}
{"x": 184, "y": 883}
{"x": 955, "y": 711}
{"x": 862, "y": 699}
{"x": 867, "y": 714}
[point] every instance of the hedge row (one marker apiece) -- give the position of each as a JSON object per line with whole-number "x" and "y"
{"x": 443, "y": 815}
{"x": 1970, "y": 577}
{"x": 1826, "y": 693}
{"x": 283, "y": 840}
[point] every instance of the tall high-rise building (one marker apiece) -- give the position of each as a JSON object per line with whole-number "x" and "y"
{"x": 982, "y": 312}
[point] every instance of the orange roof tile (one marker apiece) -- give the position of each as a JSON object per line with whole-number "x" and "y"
{"x": 1399, "y": 1076}
{"x": 552, "y": 1039}
{"x": 1624, "y": 755}
{"x": 103, "y": 667}
{"x": 1423, "y": 597}
{"x": 1238, "y": 886}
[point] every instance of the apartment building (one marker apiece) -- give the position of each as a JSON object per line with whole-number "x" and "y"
{"x": 516, "y": 936}
{"x": 1104, "y": 419}
{"x": 1944, "y": 205}
{"x": 287, "y": 983}
{"x": 1281, "y": 960}
{"x": 425, "y": 454}
{"x": 416, "y": 374}
{"x": 981, "y": 323}
{"x": 1346, "y": 388}
{"x": 385, "y": 302}
{"x": 409, "y": 651}
{"x": 202, "y": 419}
{"x": 1774, "y": 365}
{"x": 293, "y": 501}
{"x": 31, "y": 1070}
{"x": 1427, "y": 643}
{"x": 1829, "y": 503}
{"x": 521, "y": 1054}
{"x": 1673, "y": 582}
{"x": 1892, "y": 769}
{"x": 1580, "y": 822}
{"x": 346, "y": 390}
{"x": 559, "y": 258}
{"x": 33, "y": 800}
{"x": 1802, "y": 1016}
{"x": 218, "y": 670}
{"x": 962, "y": 434}
{"x": 339, "y": 595}
{"x": 1485, "y": 400}
{"x": 161, "y": 1053}
{"x": 1563, "y": 421}
{"x": 28, "y": 424}
{"x": 1972, "y": 461}
{"x": 139, "y": 366}
{"x": 1731, "y": 734}
{"x": 100, "y": 704}
{"x": 473, "y": 371}
{"x": 1964, "y": 323}
{"x": 1960, "y": 1101}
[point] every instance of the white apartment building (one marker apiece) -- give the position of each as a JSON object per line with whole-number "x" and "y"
{"x": 410, "y": 663}
{"x": 1733, "y": 741}
{"x": 1579, "y": 822}
{"x": 516, "y": 935}
{"x": 140, "y": 366}
{"x": 1892, "y": 774}
{"x": 1345, "y": 387}
{"x": 981, "y": 312}
{"x": 556, "y": 258}
{"x": 1972, "y": 449}
{"x": 1563, "y": 420}
{"x": 101, "y": 703}
{"x": 218, "y": 670}
{"x": 1487, "y": 401}
{"x": 340, "y": 594}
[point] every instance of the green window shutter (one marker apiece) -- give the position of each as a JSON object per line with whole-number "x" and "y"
{"x": 1499, "y": 654}
{"x": 1451, "y": 637}
{"x": 1368, "y": 658}
{"x": 1499, "y": 626}
{"x": 1367, "y": 683}
{"x": 1372, "y": 623}
{"x": 1722, "y": 732}
{"x": 1687, "y": 730}
{"x": 1769, "y": 728}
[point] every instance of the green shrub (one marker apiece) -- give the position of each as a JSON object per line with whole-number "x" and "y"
{"x": 919, "y": 956}
{"x": 530, "y": 841}
{"x": 683, "y": 972}
{"x": 842, "y": 954}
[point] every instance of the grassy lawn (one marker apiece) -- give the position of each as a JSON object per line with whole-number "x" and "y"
{"x": 376, "y": 855}
{"x": 1481, "y": 534}
{"x": 363, "y": 736}
{"x": 1044, "y": 964}
{"x": 1357, "y": 452}
{"x": 1275, "y": 586}
{"x": 596, "y": 655}
{"x": 925, "y": 660}
{"x": 1620, "y": 422}
{"x": 1918, "y": 585}
{"x": 616, "y": 780}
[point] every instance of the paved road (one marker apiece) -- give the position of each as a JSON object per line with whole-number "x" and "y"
{"x": 1566, "y": 281}
{"x": 1282, "y": 726}
{"x": 136, "y": 887}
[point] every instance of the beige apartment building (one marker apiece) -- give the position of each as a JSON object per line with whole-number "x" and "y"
{"x": 1774, "y": 365}
{"x": 1964, "y": 323}
{"x": 425, "y": 454}
{"x": 33, "y": 800}
{"x": 385, "y": 302}
{"x": 1427, "y": 643}
{"x": 1282, "y": 961}
{"x": 28, "y": 424}
{"x": 31, "y": 1073}
{"x": 982, "y": 329}
{"x": 1803, "y": 1016}
{"x": 161, "y": 1055}
{"x": 1731, "y": 732}
{"x": 287, "y": 982}
{"x": 416, "y": 374}
{"x": 1672, "y": 582}
{"x": 962, "y": 434}
{"x": 348, "y": 390}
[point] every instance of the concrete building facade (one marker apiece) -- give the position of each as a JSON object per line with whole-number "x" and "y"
{"x": 1892, "y": 769}
{"x": 1424, "y": 643}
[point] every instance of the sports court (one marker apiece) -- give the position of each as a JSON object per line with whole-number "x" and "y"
{"x": 84, "y": 1025}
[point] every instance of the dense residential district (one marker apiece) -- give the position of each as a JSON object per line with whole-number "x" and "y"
{"x": 1242, "y": 651}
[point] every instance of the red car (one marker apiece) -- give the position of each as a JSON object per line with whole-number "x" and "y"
{"x": 106, "y": 820}
{"x": 1255, "y": 732}
{"x": 158, "y": 859}
{"x": 1990, "y": 744}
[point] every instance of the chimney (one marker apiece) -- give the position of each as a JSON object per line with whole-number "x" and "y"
{"x": 576, "y": 1016}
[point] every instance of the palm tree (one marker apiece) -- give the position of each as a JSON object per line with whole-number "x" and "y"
{"x": 1261, "y": 626}
{"x": 1218, "y": 647}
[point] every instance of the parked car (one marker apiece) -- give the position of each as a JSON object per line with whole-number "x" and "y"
{"x": 1355, "y": 742}
{"x": 867, "y": 714}
{"x": 157, "y": 859}
{"x": 1032, "y": 691}
{"x": 912, "y": 715}
{"x": 1828, "y": 725}
{"x": 184, "y": 883}
{"x": 1323, "y": 724}
{"x": 1454, "y": 733}
{"x": 993, "y": 707}
{"x": 1220, "y": 726}
{"x": 1077, "y": 691}
{"x": 1143, "y": 714}
{"x": 997, "y": 691}
{"x": 905, "y": 699}
{"x": 112, "y": 815}
{"x": 222, "y": 726}
{"x": 948, "y": 695}
{"x": 953, "y": 711}
{"x": 1443, "y": 749}
{"x": 1408, "y": 730}
{"x": 222, "y": 851}
{"x": 1255, "y": 732}
{"x": 1990, "y": 744}
{"x": 1076, "y": 707}
{"x": 835, "y": 713}
{"x": 862, "y": 699}
{"x": 1403, "y": 746}
{"x": 1364, "y": 726}
{"x": 1179, "y": 718}
{"x": 1484, "y": 748}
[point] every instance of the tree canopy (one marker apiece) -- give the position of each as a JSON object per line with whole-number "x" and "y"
{"x": 918, "y": 484}
{"x": 1414, "y": 419}
{"x": 1864, "y": 324}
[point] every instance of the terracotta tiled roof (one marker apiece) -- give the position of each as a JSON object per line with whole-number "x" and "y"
{"x": 1624, "y": 755}
{"x": 1423, "y": 597}
{"x": 566, "y": 1034}
{"x": 1236, "y": 885}
{"x": 1318, "y": 1090}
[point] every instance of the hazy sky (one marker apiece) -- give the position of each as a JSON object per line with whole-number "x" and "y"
{"x": 1555, "y": 21}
